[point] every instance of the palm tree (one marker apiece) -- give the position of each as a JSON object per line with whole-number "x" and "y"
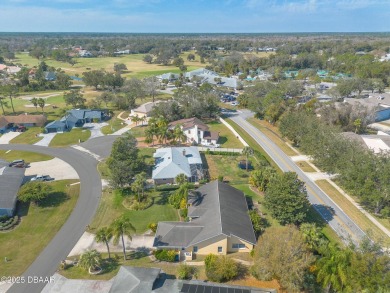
{"x": 34, "y": 101}
{"x": 104, "y": 235}
{"x": 135, "y": 119}
{"x": 120, "y": 227}
{"x": 90, "y": 260}
{"x": 181, "y": 179}
{"x": 139, "y": 184}
{"x": 178, "y": 134}
{"x": 247, "y": 151}
{"x": 334, "y": 268}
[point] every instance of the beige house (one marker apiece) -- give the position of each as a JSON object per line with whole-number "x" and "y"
{"x": 219, "y": 224}
{"x": 144, "y": 110}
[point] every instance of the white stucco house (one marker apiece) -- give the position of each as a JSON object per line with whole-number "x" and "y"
{"x": 196, "y": 132}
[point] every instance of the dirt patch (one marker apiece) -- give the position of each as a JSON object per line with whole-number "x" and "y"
{"x": 253, "y": 282}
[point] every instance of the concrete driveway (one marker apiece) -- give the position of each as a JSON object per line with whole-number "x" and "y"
{"x": 95, "y": 129}
{"x": 87, "y": 242}
{"x": 46, "y": 139}
{"x": 56, "y": 168}
{"x": 7, "y": 137}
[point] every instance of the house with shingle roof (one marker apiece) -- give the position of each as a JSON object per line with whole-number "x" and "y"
{"x": 170, "y": 162}
{"x": 196, "y": 131}
{"x": 26, "y": 120}
{"x": 144, "y": 110}
{"x": 219, "y": 224}
{"x": 11, "y": 179}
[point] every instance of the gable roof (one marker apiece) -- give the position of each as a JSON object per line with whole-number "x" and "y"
{"x": 10, "y": 181}
{"x": 135, "y": 280}
{"x": 171, "y": 162}
{"x": 220, "y": 210}
{"x": 85, "y": 113}
{"x": 147, "y": 107}
{"x": 3, "y": 122}
{"x": 26, "y": 118}
{"x": 188, "y": 123}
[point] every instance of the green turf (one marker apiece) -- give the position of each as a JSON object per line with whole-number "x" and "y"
{"x": 70, "y": 138}
{"x": 114, "y": 125}
{"x": 38, "y": 226}
{"x": 111, "y": 208}
{"x": 226, "y": 138}
{"x": 29, "y": 136}
{"x": 29, "y": 157}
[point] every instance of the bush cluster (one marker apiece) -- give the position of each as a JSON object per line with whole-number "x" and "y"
{"x": 165, "y": 255}
{"x": 186, "y": 272}
{"x": 7, "y": 223}
{"x": 220, "y": 268}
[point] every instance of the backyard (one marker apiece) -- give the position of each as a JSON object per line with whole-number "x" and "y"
{"x": 38, "y": 226}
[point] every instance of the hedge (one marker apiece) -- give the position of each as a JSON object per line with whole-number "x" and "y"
{"x": 9, "y": 223}
{"x": 165, "y": 255}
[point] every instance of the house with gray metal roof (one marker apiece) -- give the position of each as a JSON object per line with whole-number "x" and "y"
{"x": 172, "y": 161}
{"x": 219, "y": 224}
{"x": 76, "y": 118}
{"x": 143, "y": 280}
{"x": 11, "y": 179}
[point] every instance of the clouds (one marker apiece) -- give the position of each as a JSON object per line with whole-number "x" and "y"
{"x": 194, "y": 16}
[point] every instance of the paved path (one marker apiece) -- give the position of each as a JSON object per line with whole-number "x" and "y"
{"x": 63, "y": 242}
{"x": 46, "y": 139}
{"x": 95, "y": 129}
{"x": 7, "y": 137}
{"x": 325, "y": 206}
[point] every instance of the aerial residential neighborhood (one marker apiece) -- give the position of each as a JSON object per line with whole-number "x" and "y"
{"x": 194, "y": 147}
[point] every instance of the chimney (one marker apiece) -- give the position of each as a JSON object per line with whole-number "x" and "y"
{"x": 184, "y": 152}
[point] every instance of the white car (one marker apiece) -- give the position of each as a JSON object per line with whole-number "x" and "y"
{"x": 42, "y": 178}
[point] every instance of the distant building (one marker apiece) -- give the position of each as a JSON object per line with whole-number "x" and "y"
{"x": 219, "y": 224}
{"x": 196, "y": 131}
{"x": 85, "y": 53}
{"x": 172, "y": 161}
{"x": 11, "y": 179}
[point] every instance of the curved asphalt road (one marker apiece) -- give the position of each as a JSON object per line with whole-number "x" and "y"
{"x": 325, "y": 206}
{"x": 60, "y": 246}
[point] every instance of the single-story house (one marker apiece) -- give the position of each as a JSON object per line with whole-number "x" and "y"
{"x": 209, "y": 76}
{"x": 76, "y": 118}
{"x": 144, "y": 110}
{"x": 50, "y": 75}
{"x": 196, "y": 131}
{"x": 168, "y": 76}
{"x": 219, "y": 224}
{"x": 26, "y": 120}
{"x": 3, "y": 124}
{"x": 171, "y": 161}
{"x": 143, "y": 280}
{"x": 10, "y": 181}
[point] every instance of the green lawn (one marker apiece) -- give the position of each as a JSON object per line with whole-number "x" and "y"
{"x": 29, "y": 136}
{"x": 26, "y": 156}
{"x": 305, "y": 167}
{"x": 70, "y": 138}
{"x": 273, "y": 134}
{"x": 138, "y": 131}
{"x": 353, "y": 212}
{"x": 38, "y": 226}
{"x": 226, "y": 138}
{"x": 114, "y": 125}
{"x": 111, "y": 208}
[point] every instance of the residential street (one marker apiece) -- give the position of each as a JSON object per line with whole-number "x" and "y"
{"x": 329, "y": 210}
{"x": 60, "y": 246}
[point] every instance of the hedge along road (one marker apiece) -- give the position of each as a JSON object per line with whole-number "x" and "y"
{"x": 60, "y": 246}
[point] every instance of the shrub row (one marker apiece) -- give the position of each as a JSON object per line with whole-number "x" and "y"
{"x": 165, "y": 255}
{"x": 221, "y": 153}
{"x": 9, "y": 223}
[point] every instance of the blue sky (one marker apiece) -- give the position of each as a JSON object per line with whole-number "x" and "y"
{"x": 191, "y": 16}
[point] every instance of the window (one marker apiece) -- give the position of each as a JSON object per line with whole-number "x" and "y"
{"x": 238, "y": 245}
{"x": 219, "y": 249}
{"x": 195, "y": 249}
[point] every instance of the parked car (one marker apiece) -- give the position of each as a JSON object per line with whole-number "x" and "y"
{"x": 42, "y": 178}
{"x": 17, "y": 163}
